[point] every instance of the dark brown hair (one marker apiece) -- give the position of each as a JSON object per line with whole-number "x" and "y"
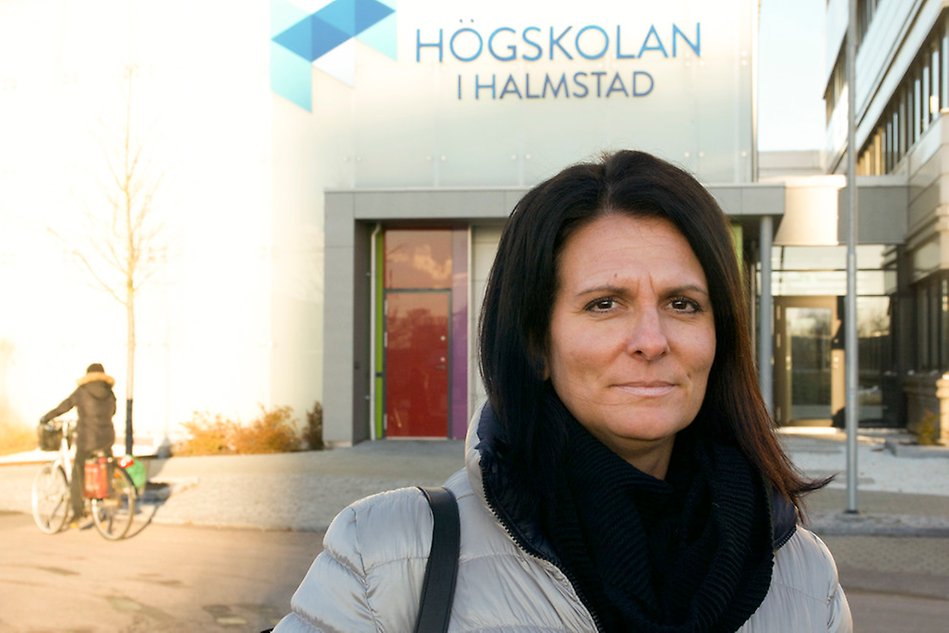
{"x": 515, "y": 316}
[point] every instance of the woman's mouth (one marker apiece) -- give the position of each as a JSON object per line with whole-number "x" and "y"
{"x": 650, "y": 389}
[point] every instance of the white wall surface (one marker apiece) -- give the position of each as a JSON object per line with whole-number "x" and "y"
{"x": 420, "y": 120}
{"x": 201, "y": 113}
{"x": 233, "y": 316}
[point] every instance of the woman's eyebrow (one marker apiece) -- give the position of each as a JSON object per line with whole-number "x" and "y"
{"x": 618, "y": 290}
{"x": 605, "y": 289}
{"x": 688, "y": 288}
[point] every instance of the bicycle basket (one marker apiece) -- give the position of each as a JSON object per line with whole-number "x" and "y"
{"x": 49, "y": 437}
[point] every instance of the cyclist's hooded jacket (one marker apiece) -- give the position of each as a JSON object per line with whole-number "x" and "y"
{"x": 94, "y": 401}
{"x": 370, "y": 574}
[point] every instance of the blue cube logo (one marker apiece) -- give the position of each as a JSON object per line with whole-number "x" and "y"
{"x": 299, "y": 39}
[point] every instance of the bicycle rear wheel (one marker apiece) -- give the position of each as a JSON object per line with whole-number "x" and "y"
{"x": 113, "y": 515}
{"x": 50, "y": 499}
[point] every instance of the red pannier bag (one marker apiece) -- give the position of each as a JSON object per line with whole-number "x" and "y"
{"x": 96, "y": 484}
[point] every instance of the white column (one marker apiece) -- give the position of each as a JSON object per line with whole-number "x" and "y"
{"x": 765, "y": 315}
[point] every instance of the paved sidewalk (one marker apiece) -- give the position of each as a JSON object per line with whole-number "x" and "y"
{"x": 897, "y": 495}
{"x": 904, "y": 494}
{"x": 296, "y": 491}
{"x": 895, "y": 545}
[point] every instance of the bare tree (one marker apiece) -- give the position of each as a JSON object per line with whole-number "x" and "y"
{"x": 124, "y": 247}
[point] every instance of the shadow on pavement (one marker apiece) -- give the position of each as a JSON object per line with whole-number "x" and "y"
{"x": 155, "y": 495}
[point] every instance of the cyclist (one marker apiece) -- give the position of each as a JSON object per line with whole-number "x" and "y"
{"x": 94, "y": 401}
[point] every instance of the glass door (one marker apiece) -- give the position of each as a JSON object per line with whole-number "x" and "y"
{"x": 809, "y": 361}
{"x": 418, "y": 275}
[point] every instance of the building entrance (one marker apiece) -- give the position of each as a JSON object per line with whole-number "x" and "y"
{"x": 808, "y": 362}
{"x": 420, "y": 353}
{"x": 417, "y": 364}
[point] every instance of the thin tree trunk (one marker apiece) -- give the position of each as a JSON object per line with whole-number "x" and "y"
{"x": 130, "y": 373}
{"x": 131, "y": 265}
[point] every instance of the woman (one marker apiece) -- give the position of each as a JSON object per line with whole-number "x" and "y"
{"x": 623, "y": 475}
{"x": 94, "y": 401}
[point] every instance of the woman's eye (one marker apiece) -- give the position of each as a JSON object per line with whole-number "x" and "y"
{"x": 602, "y": 305}
{"x": 682, "y": 304}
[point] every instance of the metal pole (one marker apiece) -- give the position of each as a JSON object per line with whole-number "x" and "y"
{"x": 765, "y": 311}
{"x": 851, "y": 407}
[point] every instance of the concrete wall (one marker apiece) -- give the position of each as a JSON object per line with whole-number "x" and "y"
{"x": 882, "y": 210}
{"x": 362, "y": 323}
{"x": 339, "y": 409}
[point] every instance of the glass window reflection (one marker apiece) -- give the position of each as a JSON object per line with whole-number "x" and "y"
{"x": 418, "y": 259}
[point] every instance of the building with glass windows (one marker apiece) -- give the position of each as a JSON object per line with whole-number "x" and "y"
{"x": 335, "y": 175}
{"x": 414, "y": 250}
{"x": 902, "y": 92}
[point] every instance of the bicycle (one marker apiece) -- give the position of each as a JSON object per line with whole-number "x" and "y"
{"x": 112, "y": 505}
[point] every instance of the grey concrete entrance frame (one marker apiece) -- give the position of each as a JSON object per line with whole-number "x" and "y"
{"x": 351, "y": 216}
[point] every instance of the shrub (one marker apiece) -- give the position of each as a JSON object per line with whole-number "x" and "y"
{"x": 208, "y": 436}
{"x": 273, "y": 432}
{"x": 16, "y": 438}
{"x": 313, "y": 431}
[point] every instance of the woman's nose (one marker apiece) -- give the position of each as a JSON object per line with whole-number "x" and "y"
{"x": 646, "y": 336}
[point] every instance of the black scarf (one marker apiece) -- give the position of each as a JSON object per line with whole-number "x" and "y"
{"x": 687, "y": 554}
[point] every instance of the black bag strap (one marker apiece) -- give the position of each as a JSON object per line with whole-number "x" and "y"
{"x": 438, "y": 588}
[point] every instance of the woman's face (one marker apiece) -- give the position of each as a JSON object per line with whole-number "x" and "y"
{"x": 632, "y": 337}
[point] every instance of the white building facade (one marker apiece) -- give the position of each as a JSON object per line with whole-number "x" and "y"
{"x": 332, "y": 179}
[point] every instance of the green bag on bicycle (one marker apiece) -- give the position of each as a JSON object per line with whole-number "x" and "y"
{"x": 136, "y": 470}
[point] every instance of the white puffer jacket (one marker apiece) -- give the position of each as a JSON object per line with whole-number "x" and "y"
{"x": 369, "y": 575}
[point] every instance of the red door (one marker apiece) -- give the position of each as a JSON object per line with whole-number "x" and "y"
{"x": 416, "y": 364}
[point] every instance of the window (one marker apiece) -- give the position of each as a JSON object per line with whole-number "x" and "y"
{"x": 904, "y": 128}
{"x": 943, "y": 68}
{"x": 944, "y": 320}
{"x": 934, "y": 91}
{"x": 915, "y": 97}
{"x": 913, "y": 107}
{"x": 931, "y": 297}
{"x": 866, "y": 9}
{"x": 892, "y": 140}
{"x": 922, "y": 327}
{"x": 874, "y": 344}
{"x": 835, "y": 85}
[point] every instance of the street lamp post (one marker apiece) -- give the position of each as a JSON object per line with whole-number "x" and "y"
{"x": 851, "y": 407}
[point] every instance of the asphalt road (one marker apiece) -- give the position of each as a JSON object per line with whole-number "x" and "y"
{"x": 182, "y": 578}
{"x": 183, "y": 572}
{"x": 164, "y": 578}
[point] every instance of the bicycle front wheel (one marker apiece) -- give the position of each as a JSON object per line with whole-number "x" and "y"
{"x": 113, "y": 515}
{"x": 50, "y": 499}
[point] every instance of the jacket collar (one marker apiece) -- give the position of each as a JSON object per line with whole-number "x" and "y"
{"x": 94, "y": 376}
{"x": 518, "y": 521}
